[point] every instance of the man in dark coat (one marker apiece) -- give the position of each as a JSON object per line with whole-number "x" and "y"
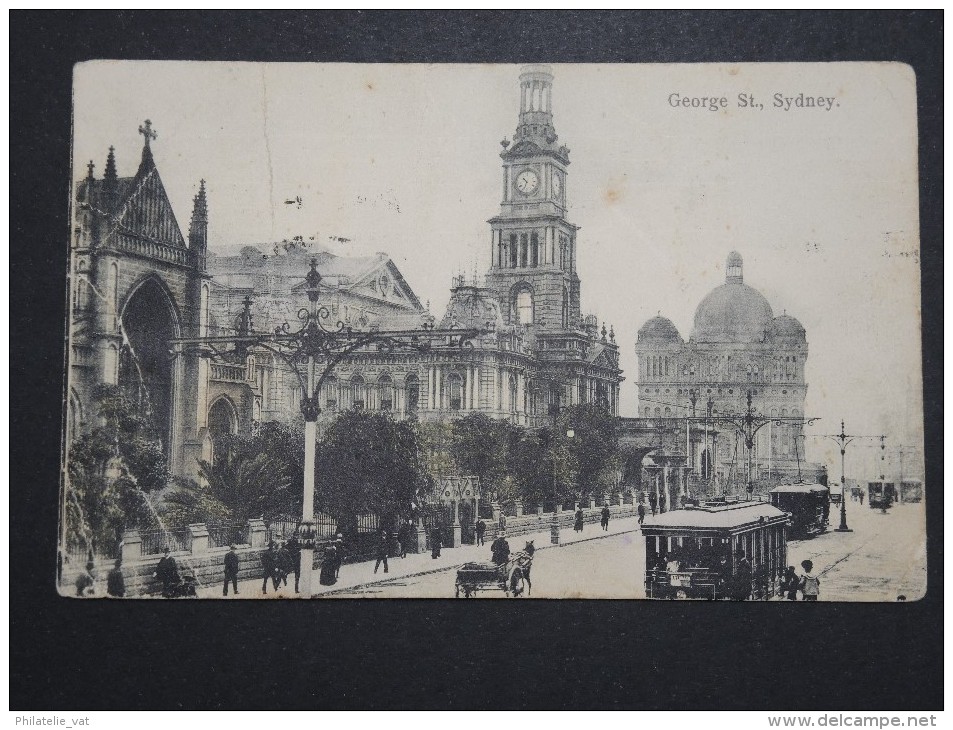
{"x": 435, "y": 543}
{"x": 283, "y": 561}
{"x": 231, "y": 571}
{"x": 580, "y": 520}
{"x": 743, "y": 578}
{"x": 269, "y": 569}
{"x": 338, "y": 554}
{"x": 641, "y": 511}
{"x": 653, "y": 501}
{"x": 403, "y": 538}
{"x": 115, "y": 584}
{"x": 167, "y": 572}
{"x": 293, "y": 546}
{"x": 480, "y": 532}
{"x": 605, "y": 518}
{"x": 382, "y": 550}
{"x": 500, "y": 549}
{"x": 84, "y": 581}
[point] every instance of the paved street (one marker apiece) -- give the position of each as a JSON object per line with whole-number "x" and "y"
{"x": 882, "y": 558}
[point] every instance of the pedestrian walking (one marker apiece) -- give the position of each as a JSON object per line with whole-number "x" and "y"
{"x": 330, "y": 564}
{"x": 167, "y": 571}
{"x": 641, "y": 511}
{"x": 269, "y": 569}
{"x": 743, "y": 577}
{"x": 480, "y": 532}
{"x": 810, "y": 583}
{"x": 790, "y": 584}
{"x": 231, "y": 570}
{"x": 382, "y": 550}
{"x": 500, "y": 549}
{"x": 338, "y": 554}
{"x": 579, "y": 520}
{"x": 84, "y": 581}
{"x": 861, "y": 499}
{"x": 605, "y": 518}
{"x": 294, "y": 553}
{"x": 403, "y": 539}
{"x": 435, "y": 544}
{"x": 653, "y": 502}
{"x": 283, "y": 560}
{"x": 115, "y": 583}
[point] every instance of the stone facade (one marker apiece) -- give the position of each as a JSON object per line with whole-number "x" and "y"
{"x": 135, "y": 282}
{"x": 737, "y": 345}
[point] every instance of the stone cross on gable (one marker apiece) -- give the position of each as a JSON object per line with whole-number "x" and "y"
{"x": 147, "y": 131}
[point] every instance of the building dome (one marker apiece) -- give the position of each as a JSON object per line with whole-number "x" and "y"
{"x": 734, "y": 311}
{"x": 659, "y": 329}
{"x": 788, "y": 328}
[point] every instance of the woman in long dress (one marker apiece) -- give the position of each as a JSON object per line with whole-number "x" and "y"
{"x": 329, "y": 566}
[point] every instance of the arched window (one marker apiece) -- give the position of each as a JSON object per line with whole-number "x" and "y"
{"x": 668, "y": 412}
{"x": 357, "y": 393}
{"x": 658, "y": 412}
{"x": 412, "y": 393}
{"x": 514, "y": 252}
{"x": 111, "y": 365}
{"x": 222, "y": 422}
{"x": 565, "y": 307}
{"x": 330, "y": 388}
{"x": 385, "y": 393}
{"x": 648, "y": 412}
{"x": 524, "y": 245}
{"x": 455, "y": 391}
{"x": 534, "y": 249}
{"x": 113, "y": 303}
{"x": 513, "y": 404}
{"x": 523, "y": 306}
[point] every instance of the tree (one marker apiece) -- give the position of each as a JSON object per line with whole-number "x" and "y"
{"x": 593, "y": 450}
{"x": 481, "y": 446}
{"x": 369, "y": 463}
{"x": 257, "y": 474}
{"x": 112, "y": 472}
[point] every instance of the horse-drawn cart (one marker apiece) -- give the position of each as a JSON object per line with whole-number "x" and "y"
{"x": 511, "y": 577}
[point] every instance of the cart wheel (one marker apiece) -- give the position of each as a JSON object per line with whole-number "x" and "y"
{"x": 681, "y": 594}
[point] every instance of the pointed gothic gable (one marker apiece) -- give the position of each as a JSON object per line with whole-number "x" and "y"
{"x": 146, "y": 212}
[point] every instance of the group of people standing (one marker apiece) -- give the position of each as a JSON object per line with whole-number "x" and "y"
{"x": 808, "y": 584}
{"x": 280, "y": 560}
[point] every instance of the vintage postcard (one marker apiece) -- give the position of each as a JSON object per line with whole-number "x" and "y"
{"x": 494, "y": 331}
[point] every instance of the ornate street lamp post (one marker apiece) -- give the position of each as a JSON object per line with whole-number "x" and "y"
{"x": 748, "y": 423}
{"x": 312, "y": 351}
{"x": 842, "y": 440}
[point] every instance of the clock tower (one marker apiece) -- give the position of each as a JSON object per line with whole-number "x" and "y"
{"x": 533, "y": 271}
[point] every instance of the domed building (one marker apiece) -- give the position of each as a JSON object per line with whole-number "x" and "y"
{"x": 737, "y": 345}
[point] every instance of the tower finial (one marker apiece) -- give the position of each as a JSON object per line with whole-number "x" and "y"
{"x": 536, "y": 105}
{"x": 110, "y": 181}
{"x": 89, "y": 169}
{"x": 733, "y": 268}
{"x": 147, "y": 131}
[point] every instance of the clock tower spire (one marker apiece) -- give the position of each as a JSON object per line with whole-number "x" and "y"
{"x": 533, "y": 270}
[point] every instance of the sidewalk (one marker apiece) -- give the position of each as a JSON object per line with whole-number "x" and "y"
{"x": 354, "y": 576}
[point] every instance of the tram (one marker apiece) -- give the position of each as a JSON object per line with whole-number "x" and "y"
{"x": 716, "y": 550}
{"x": 881, "y": 494}
{"x": 808, "y": 504}
{"x": 911, "y": 491}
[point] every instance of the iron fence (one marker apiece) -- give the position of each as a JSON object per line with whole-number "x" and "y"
{"x": 154, "y": 542}
{"x": 224, "y": 534}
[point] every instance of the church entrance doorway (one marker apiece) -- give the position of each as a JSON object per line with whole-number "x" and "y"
{"x": 146, "y": 365}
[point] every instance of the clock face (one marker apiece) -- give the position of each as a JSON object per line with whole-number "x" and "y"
{"x": 557, "y": 185}
{"x": 527, "y": 182}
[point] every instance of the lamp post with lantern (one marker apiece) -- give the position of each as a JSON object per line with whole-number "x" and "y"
{"x": 311, "y": 351}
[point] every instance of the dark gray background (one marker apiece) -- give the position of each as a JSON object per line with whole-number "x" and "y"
{"x": 412, "y": 654}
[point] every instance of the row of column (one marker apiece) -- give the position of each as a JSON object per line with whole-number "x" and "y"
{"x": 501, "y": 250}
{"x": 537, "y": 96}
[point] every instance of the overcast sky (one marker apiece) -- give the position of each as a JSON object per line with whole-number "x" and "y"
{"x": 404, "y": 159}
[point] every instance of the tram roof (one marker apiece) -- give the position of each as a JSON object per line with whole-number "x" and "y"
{"x": 798, "y": 488}
{"x": 731, "y": 517}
